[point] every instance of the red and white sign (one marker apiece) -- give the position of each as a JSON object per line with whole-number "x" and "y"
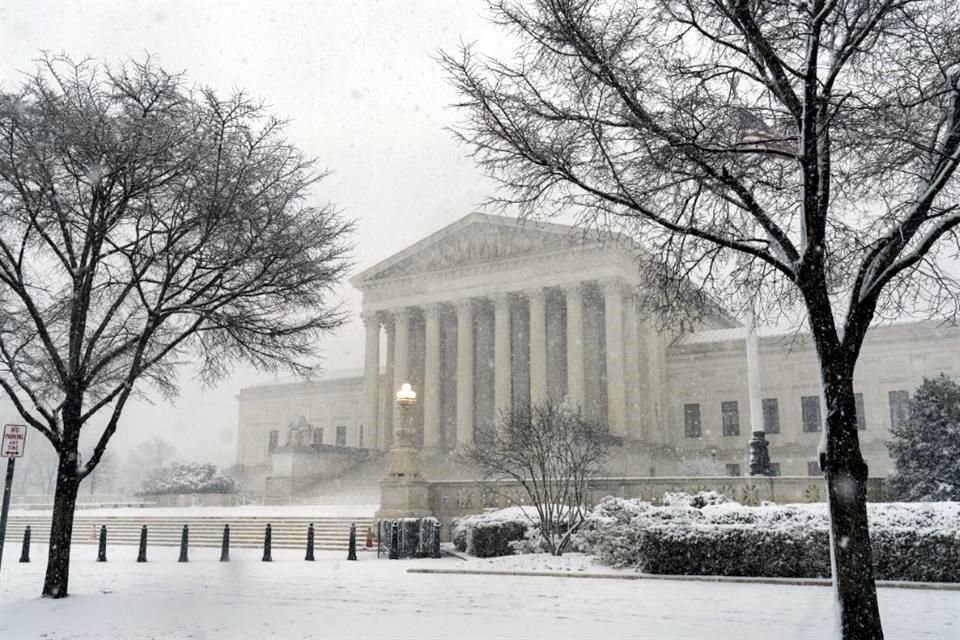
{"x": 14, "y": 440}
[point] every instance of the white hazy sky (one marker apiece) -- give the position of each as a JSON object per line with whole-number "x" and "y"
{"x": 365, "y": 96}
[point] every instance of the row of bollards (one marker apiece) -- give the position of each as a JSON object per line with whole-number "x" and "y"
{"x": 185, "y": 544}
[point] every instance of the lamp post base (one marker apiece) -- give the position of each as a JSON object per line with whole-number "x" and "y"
{"x": 403, "y": 497}
{"x": 759, "y": 455}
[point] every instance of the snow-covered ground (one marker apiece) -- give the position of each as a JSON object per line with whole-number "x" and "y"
{"x": 332, "y": 598}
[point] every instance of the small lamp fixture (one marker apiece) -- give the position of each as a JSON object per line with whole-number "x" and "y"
{"x": 406, "y": 396}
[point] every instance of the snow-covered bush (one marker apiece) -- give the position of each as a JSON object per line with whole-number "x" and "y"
{"x": 188, "y": 477}
{"x": 918, "y": 542}
{"x": 697, "y": 500}
{"x": 490, "y": 534}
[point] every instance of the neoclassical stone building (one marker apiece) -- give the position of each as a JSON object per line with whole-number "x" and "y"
{"x": 489, "y": 313}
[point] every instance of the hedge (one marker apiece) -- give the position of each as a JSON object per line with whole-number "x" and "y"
{"x": 910, "y": 542}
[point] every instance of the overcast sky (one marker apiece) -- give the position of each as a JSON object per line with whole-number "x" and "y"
{"x": 360, "y": 84}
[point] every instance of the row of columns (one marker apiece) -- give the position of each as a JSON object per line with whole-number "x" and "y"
{"x": 622, "y": 363}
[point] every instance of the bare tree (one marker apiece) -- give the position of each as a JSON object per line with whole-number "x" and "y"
{"x": 145, "y": 223}
{"x": 551, "y": 451}
{"x": 145, "y": 459}
{"x": 800, "y": 154}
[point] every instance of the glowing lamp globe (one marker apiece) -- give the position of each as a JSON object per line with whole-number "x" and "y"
{"x": 406, "y": 396}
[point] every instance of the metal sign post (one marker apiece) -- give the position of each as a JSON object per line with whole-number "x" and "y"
{"x": 14, "y": 440}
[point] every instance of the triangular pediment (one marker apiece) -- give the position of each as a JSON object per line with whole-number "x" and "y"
{"x": 474, "y": 240}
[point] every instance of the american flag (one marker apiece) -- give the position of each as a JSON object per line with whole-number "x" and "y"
{"x": 753, "y": 131}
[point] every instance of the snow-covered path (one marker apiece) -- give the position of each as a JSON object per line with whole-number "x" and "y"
{"x": 332, "y": 598}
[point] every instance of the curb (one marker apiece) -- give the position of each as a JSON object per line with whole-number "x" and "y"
{"x": 802, "y": 582}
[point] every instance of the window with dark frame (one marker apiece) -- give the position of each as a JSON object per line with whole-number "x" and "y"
{"x": 691, "y": 420}
{"x": 730, "y": 413}
{"x": 317, "y": 437}
{"x": 861, "y": 416}
{"x": 899, "y": 407}
{"x": 733, "y": 469}
{"x": 273, "y": 441}
{"x": 771, "y": 415}
{"x": 341, "y": 436}
{"x": 810, "y": 412}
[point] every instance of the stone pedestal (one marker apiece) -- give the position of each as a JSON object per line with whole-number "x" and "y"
{"x": 403, "y": 498}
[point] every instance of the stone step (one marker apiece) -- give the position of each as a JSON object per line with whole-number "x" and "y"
{"x": 330, "y": 533}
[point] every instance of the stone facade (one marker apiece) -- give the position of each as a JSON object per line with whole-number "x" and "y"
{"x": 488, "y": 313}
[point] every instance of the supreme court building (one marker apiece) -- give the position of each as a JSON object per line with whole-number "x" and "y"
{"x": 489, "y": 313}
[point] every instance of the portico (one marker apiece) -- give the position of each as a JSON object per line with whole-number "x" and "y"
{"x": 489, "y": 314}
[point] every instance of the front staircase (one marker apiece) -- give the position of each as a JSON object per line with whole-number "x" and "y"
{"x": 330, "y": 533}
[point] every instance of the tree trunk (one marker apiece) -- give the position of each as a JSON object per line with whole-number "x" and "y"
{"x": 61, "y": 527}
{"x": 846, "y": 475}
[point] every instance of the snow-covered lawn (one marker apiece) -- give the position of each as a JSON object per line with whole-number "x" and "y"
{"x": 332, "y": 598}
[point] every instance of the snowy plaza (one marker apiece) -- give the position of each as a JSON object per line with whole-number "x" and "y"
{"x": 333, "y": 598}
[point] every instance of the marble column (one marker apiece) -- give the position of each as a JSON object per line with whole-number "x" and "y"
{"x": 389, "y": 385}
{"x": 464, "y": 373}
{"x": 431, "y": 378}
{"x": 401, "y": 356}
{"x": 538, "y": 346}
{"x": 635, "y": 387}
{"x": 576, "y": 389}
{"x": 502, "y": 388}
{"x": 616, "y": 386}
{"x": 371, "y": 380}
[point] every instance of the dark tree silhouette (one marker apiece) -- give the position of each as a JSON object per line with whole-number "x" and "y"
{"x": 802, "y": 155}
{"x": 143, "y": 223}
{"x": 926, "y": 445}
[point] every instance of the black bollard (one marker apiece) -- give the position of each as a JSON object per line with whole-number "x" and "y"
{"x": 310, "y": 535}
{"x": 267, "y": 537}
{"x": 25, "y": 549}
{"x": 225, "y": 545}
{"x": 142, "y": 553}
{"x": 102, "y": 548}
{"x": 352, "y": 551}
{"x": 184, "y": 542}
{"x": 436, "y": 540}
{"x": 394, "y": 541}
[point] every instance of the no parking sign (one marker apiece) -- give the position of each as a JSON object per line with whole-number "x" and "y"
{"x": 14, "y": 440}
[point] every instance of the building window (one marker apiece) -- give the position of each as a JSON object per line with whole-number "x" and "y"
{"x": 899, "y": 404}
{"x": 861, "y": 416}
{"x": 813, "y": 468}
{"x": 775, "y": 468}
{"x": 733, "y": 469}
{"x": 810, "y": 410}
{"x": 360, "y": 437}
{"x": 317, "y": 438}
{"x": 771, "y": 415}
{"x": 274, "y": 441}
{"x": 691, "y": 420}
{"x": 731, "y": 418}
{"x": 341, "y": 436}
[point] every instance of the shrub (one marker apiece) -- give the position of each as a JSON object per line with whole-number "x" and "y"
{"x": 916, "y": 542}
{"x": 189, "y": 477}
{"x": 491, "y": 533}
